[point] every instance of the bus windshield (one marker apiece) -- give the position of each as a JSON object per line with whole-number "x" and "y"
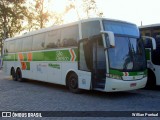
{"x": 121, "y": 28}
{"x": 128, "y": 55}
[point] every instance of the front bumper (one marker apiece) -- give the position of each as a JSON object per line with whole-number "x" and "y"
{"x": 121, "y": 85}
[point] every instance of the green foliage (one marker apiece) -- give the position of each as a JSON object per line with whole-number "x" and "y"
{"x": 90, "y": 8}
{"x": 38, "y": 15}
{"x": 41, "y": 16}
{"x": 26, "y": 15}
{"x": 12, "y": 13}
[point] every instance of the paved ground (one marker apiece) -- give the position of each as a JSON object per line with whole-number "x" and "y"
{"x": 40, "y": 96}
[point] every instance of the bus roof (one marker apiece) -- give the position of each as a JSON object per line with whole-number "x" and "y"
{"x": 150, "y": 26}
{"x": 43, "y": 30}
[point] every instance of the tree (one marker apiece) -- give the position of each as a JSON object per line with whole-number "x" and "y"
{"x": 42, "y": 15}
{"x": 90, "y": 8}
{"x": 12, "y": 12}
{"x": 39, "y": 15}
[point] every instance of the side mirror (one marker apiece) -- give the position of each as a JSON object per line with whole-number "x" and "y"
{"x": 110, "y": 36}
{"x": 153, "y": 41}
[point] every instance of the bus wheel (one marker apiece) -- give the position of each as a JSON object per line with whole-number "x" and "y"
{"x": 13, "y": 74}
{"x": 72, "y": 83}
{"x": 151, "y": 82}
{"x": 19, "y": 75}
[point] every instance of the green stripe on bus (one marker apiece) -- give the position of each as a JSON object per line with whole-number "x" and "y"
{"x": 59, "y": 55}
{"x": 9, "y": 57}
{"x": 28, "y": 65}
{"x": 38, "y": 56}
{"x": 138, "y": 73}
{"x": 56, "y": 55}
{"x": 16, "y": 57}
{"x": 25, "y": 57}
{"x": 117, "y": 72}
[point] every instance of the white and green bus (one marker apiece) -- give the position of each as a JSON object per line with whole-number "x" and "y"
{"x": 92, "y": 54}
{"x": 153, "y": 56}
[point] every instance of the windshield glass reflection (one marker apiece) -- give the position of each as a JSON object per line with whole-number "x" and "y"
{"x": 128, "y": 54}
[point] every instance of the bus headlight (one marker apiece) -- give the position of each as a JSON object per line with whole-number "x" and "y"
{"x": 115, "y": 76}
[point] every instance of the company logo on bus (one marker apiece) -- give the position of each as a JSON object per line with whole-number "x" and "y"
{"x": 61, "y": 57}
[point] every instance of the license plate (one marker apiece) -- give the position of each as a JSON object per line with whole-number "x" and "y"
{"x": 133, "y": 84}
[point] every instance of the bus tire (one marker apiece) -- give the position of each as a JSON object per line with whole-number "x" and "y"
{"x": 151, "y": 81}
{"x": 72, "y": 83}
{"x": 19, "y": 75}
{"x": 13, "y": 74}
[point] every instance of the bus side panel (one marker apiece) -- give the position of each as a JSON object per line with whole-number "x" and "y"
{"x": 84, "y": 80}
{"x": 54, "y": 72}
{"x": 39, "y": 70}
{"x": 66, "y": 68}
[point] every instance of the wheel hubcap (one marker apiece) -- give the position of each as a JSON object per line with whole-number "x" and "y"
{"x": 73, "y": 83}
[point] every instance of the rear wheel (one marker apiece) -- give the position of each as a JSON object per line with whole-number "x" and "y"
{"x": 13, "y": 74}
{"x": 72, "y": 83}
{"x": 19, "y": 75}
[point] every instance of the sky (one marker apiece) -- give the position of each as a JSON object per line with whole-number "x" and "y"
{"x": 135, "y": 11}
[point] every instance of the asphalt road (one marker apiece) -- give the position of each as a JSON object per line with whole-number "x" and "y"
{"x": 40, "y": 96}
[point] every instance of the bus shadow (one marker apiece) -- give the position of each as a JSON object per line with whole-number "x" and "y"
{"x": 46, "y": 84}
{"x": 91, "y": 93}
{"x": 112, "y": 95}
{"x": 156, "y": 88}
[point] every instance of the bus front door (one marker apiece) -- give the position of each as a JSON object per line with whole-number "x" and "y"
{"x": 99, "y": 63}
{"x": 92, "y": 63}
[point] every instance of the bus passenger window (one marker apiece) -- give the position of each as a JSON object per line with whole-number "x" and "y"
{"x": 38, "y": 41}
{"x": 11, "y": 46}
{"x": 19, "y": 43}
{"x": 52, "y": 39}
{"x": 27, "y": 44}
{"x": 90, "y": 29}
{"x": 69, "y": 36}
